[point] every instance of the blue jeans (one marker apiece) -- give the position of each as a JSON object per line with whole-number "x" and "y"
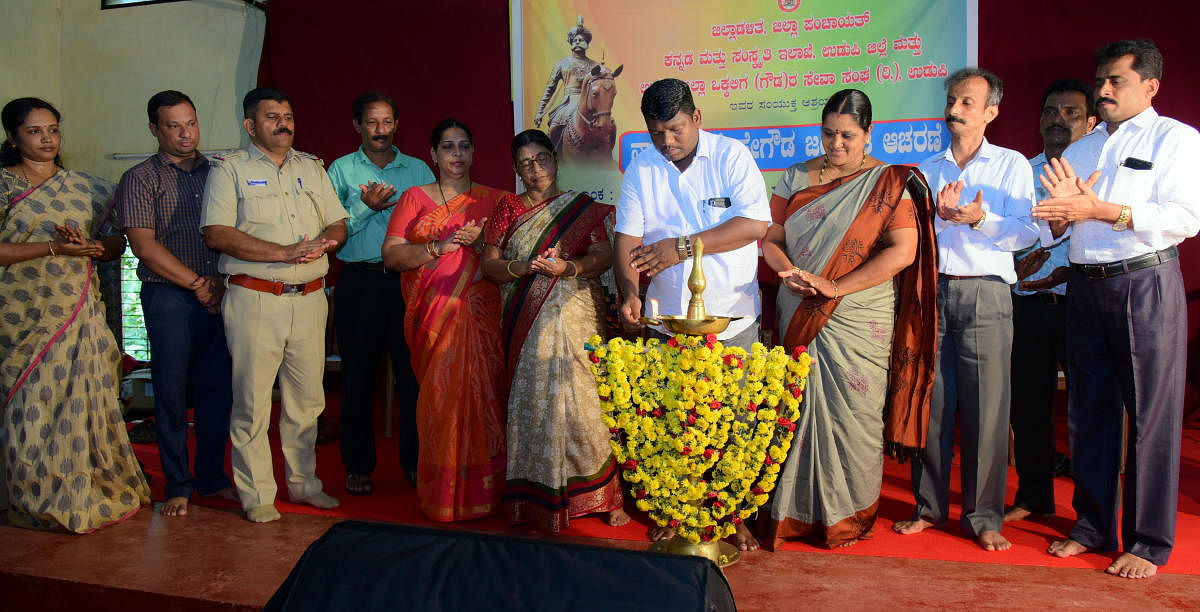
{"x": 189, "y": 360}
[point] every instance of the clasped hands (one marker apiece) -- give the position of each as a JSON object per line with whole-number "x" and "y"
{"x": 948, "y": 208}
{"x": 377, "y": 196}
{"x": 1029, "y": 265}
{"x": 807, "y": 284}
{"x": 548, "y": 263}
{"x": 209, "y": 290}
{"x": 304, "y": 250}
{"x": 1071, "y": 197}
{"x": 461, "y": 237}
{"x": 72, "y": 241}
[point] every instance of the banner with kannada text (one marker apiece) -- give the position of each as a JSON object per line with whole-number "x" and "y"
{"x": 759, "y": 70}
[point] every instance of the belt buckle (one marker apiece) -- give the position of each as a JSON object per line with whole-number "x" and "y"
{"x": 288, "y": 289}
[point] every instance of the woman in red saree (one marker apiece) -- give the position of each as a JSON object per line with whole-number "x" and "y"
{"x": 547, "y": 248}
{"x": 452, "y": 326}
{"x": 65, "y": 459}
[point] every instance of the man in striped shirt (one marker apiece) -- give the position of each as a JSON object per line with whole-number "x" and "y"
{"x": 158, "y": 202}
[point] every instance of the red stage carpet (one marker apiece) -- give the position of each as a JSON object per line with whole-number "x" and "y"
{"x": 395, "y": 500}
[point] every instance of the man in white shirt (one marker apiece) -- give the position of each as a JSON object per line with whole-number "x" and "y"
{"x": 1126, "y": 323}
{"x": 1039, "y": 317}
{"x": 692, "y": 185}
{"x": 975, "y": 268}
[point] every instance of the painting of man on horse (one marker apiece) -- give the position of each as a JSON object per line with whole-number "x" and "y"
{"x": 581, "y": 125}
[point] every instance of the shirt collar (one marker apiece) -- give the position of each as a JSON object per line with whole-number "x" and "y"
{"x": 162, "y": 160}
{"x": 361, "y": 156}
{"x": 256, "y": 153}
{"x": 987, "y": 150}
{"x": 1141, "y": 120}
{"x": 1039, "y": 159}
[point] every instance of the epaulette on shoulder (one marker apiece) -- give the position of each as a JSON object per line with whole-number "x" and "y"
{"x": 303, "y": 155}
{"x": 228, "y": 156}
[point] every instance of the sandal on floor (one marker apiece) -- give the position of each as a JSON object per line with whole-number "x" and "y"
{"x": 358, "y": 484}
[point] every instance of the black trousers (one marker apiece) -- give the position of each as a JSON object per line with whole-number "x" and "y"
{"x": 1127, "y": 354}
{"x": 369, "y": 318}
{"x": 1039, "y": 348}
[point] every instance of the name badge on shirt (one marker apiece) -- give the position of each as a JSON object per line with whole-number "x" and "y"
{"x": 1134, "y": 163}
{"x": 719, "y": 202}
{"x": 256, "y": 183}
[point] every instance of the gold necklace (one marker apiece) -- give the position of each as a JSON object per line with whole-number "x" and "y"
{"x": 825, "y": 164}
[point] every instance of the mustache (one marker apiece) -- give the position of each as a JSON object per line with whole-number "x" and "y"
{"x": 281, "y": 130}
{"x": 1109, "y": 100}
{"x": 380, "y": 138}
{"x": 1058, "y": 127}
{"x": 953, "y": 119}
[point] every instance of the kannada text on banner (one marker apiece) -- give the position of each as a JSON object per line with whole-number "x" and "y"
{"x": 759, "y": 70}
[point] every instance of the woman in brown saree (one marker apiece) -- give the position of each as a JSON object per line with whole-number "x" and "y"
{"x": 64, "y": 451}
{"x": 852, "y": 241}
{"x": 545, "y": 248}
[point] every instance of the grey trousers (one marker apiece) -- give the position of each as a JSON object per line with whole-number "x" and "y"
{"x": 971, "y": 383}
{"x": 1127, "y": 354}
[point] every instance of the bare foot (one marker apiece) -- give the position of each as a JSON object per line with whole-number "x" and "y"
{"x": 1016, "y": 513}
{"x": 174, "y": 506}
{"x": 848, "y": 543}
{"x": 911, "y": 527}
{"x": 992, "y": 540}
{"x": 659, "y": 534}
{"x": 617, "y": 517}
{"x": 1066, "y": 548}
{"x": 1130, "y": 565}
{"x": 228, "y": 493}
{"x": 744, "y": 539}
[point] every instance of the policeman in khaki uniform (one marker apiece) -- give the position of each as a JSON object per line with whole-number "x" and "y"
{"x": 272, "y": 213}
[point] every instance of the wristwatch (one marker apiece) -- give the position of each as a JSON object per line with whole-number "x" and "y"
{"x": 1122, "y": 222}
{"x": 975, "y": 225}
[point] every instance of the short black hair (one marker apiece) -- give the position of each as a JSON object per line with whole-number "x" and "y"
{"x": 360, "y": 104}
{"x": 667, "y": 98}
{"x": 1069, "y": 85}
{"x": 529, "y": 137}
{"x": 1147, "y": 59}
{"x": 436, "y": 136}
{"x": 995, "y": 85}
{"x": 850, "y": 102}
{"x": 13, "y": 117}
{"x": 254, "y": 96}
{"x": 169, "y": 97}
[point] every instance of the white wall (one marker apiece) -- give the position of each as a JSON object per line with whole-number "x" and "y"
{"x": 100, "y": 67}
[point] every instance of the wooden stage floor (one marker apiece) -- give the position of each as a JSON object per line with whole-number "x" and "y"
{"x": 215, "y": 560}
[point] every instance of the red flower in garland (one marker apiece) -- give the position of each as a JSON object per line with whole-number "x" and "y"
{"x": 734, "y": 360}
{"x": 710, "y": 340}
{"x": 673, "y": 343}
{"x": 673, "y": 523}
{"x": 786, "y": 424}
{"x": 687, "y": 450}
{"x": 718, "y": 504}
{"x": 769, "y": 461}
{"x": 752, "y": 407}
{"x": 691, "y": 420}
{"x": 800, "y": 350}
{"x": 629, "y": 464}
{"x": 712, "y": 494}
{"x": 737, "y": 520}
{"x": 594, "y": 358}
{"x": 657, "y": 413}
{"x": 614, "y": 430}
{"x": 796, "y": 392}
{"x": 640, "y": 494}
{"x": 715, "y": 405}
{"x": 708, "y": 453}
{"x": 757, "y": 491}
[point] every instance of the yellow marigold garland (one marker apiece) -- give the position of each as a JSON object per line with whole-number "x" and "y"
{"x": 701, "y": 446}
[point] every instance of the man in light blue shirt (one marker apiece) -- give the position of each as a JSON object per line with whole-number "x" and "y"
{"x": 985, "y": 195}
{"x": 1039, "y": 318}
{"x": 368, "y": 306}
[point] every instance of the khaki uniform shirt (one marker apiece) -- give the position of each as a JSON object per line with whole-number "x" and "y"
{"x": 279, "y": 204}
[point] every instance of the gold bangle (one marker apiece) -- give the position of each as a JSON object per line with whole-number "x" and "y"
{"x": 576, "y": 267}
{"x": 50, "y": 245}
{"x": 835, "y": 288}
{"x": 509, "y": 268}
{"x": 432, "y": 248}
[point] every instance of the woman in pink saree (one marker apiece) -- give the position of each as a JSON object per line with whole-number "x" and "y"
{"x": 66, "y": 459}
{"x": 452, "y": 326}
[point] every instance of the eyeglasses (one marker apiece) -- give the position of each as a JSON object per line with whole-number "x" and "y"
{"x": 542, "y": 159}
